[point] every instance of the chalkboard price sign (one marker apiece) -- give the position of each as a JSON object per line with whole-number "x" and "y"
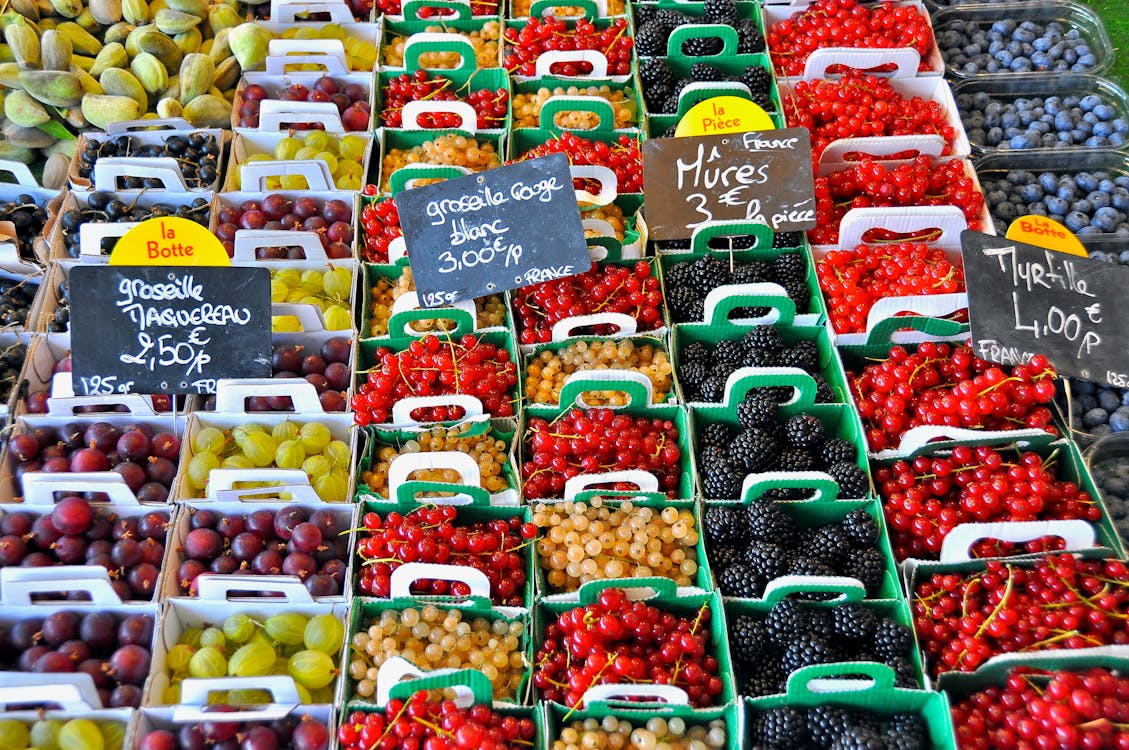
{"x": 167, "y": 329}
{"x": 485, "y": 233}
{"x": 1025, "y": 300}
{"x": 760, "y": 176}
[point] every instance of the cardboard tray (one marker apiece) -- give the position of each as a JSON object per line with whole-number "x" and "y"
{"x": 165, "y": 167}
{"x": 24, "y": 183}
{"x": 247, "y": 241}
{"x": 31, "y": 697}
{"x": 252, "y": 175}
{"x": 280, "y": 112}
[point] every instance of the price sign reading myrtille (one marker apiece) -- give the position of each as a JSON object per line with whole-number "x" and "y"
{"x": 501, "y": 229}
{"x": 1025, "y": 300}
{"x": 763, "y": 176}
{"x": 167, "y": 329}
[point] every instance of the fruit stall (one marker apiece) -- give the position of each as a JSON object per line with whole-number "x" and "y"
{"x": 797, "y": 475}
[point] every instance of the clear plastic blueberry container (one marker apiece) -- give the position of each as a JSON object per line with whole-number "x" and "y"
{"x": 1108, "y": 461}
{"x": 935, "y": 5}
{"x": 1007, "y": 88}
{"x": 1060, "y": 163}
{"x": 1070, "y": 14}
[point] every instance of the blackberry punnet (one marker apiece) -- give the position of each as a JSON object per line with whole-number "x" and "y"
{"x": 660, "y": 91}
{"x": 854, "y": 622}
{"x": 693, "y": 280}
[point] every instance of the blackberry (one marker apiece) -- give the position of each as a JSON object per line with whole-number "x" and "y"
{"x": 804, "y": 431}
{"x": 712, "y": 389}
{"x": 716, "y": 434}
{"x": 786, "y": 494}
{"x": 747, "y": 639}
{"x": 752, "y": 450}
{"x": 808, "y": 565}
{"x": 782, "y": 728}
{"x": 693, "y": 373}
{"x": 708, "y": 272}
{"x": 742, "y": 241}
{"x": 756, "y": 410}
{"x": 729, "y": 352}
{"x": 750, "y": 40}
{"x": 867, "y": 566}
{"x": 854, "y": 622}
{"x": 904, "y": 674}
{"x": 824, "y": 394}
{"x": 803, "y": 354}
{"x": 758, "y": 357}
{"x": 725, "y": 526}
{"x": 644, "y": 14}
{"x": 658, "y": 79}
{"x": 786, "y": 620}
{"x": 799, "y": 293}
{"x": 828, "y": 544}
{"x": 859, "y": 738}
{"x": 670, "y": 132}
{"x": 806, "y": 651}
{"x": 781, "y": 239}
{"x": 752, "y": 273}
{"x": 897, "y": 741}
{"x": 795, "y": 459}
{"x": 789, "y": 268}
{"x": 769, "y": 560}
{"x": 765, "y": 337}
{"x": 721, "y": 11}
{"x": 697, "y": 352}
{"x": 671, "y": 18}
{"x": 702, "y": 47}
{"x": 907, "y": 732}
{"x": 719, "y": 481}
{"x": 687, "y": 305}
{"x": 825, "y": 723}
{"x": 766, "y": 679}
{"x": 704, "y": 72}
{"x": 836, "y": 450}
{"x": 851, "y": 479}
{"x": 760, "y": 82}
{"x": 650, "y": 39}
{"x": 892, "y": 640}
{"x": 723, "y": 557}
{"x": 739, "y": 580}
{"x": 767, "y": 523}
{"x": 669, "y": 106}
{"x": 865, "y": 720}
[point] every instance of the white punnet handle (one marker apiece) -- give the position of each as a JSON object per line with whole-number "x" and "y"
{"x": 645, "y": 480}
{"x": 174, "y": 124}
{"x": 916, "y": 438}
{"x": 404, "y": 464}
{"x": 91, "y": 234}
{"x": 400, "y": 583}
{"x": 216, "y": 588}
{"x": 18, "y": 585}
{"x": 194, "y": 698}
{"x": 63, "y": 400}
{"x": 249, "y": 240}
{"x": 548, "y": 59}
{"x": 394, "y": 670}
{"x": 230, "y": 393}
{"x": 882, "y": 145}
{"x": 905, "y": 59}
{"x": 931, "y": 305}
{"x": 19, "y": 172}
{"x": 955, "y": 547}
{"x": 276, "y": 115}
{"x": 412, "y": 110}
{"x": 282, "y": 11}
{"x": 563, "y": 329}
{"x": 904, "y": 220}
{"x": 74, "y": 692}
{"x": 39, "y": 488}
{"x": 329, "y": 53}
{"x": 669, "y": 694}
{"x": 402, "y": 409}
{"x": 612, "y": 376}
{"x": 253, "y": 174}
{"x": 164, "y": 168}
{"x": 609, "y": 183}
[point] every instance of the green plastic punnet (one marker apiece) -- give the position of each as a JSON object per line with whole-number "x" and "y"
{"x": 408, "y": 139}
{"x": 959, "y": 685}
{"x": 558, "y": 717}
{"x": 463, "y": 81}
{"x": 658, "y": 344}
{"x": 453, "y": 27}
{"x": 818, "y": 685}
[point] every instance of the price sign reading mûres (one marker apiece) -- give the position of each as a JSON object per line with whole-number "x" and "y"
{"x": 1025, "y": 300}
{"x": 486, "y": 233}
{"x": 167, "y": 329}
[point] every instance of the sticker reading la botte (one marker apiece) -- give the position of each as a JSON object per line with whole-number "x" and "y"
{"x": 486, "y": 233}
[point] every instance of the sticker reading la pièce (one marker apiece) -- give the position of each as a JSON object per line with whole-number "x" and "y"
{"x": 763, "y": 176}
{"x": 167, "y": 329}
{"x": 1025, "y": 300}
{"x": 485, "y": 233}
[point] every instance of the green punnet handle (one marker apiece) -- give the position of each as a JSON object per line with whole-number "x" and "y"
{"x": 723, "y": 300}
{"x": 589, "y": 495}
{"x": 464, "y": 323}
{"x": 798, "y": 681}
{"x": 637, "y": 396}
{"x": 411, "y": 9}
{"x": 664, "y": 588}
{"x": 613, "y": 248}
{"x": 401, "y": 177}
{"x": 408, "y": 492}
{"x": 478, "y": 683}
{"x": 849, "y": 589}
{"x": 469, "y": 602}
{"x": 431, "y": 41}
{"x": 756, "y": 485}
{"x": 727, "y": 34}
{"x": 595, "y": 105}
{"x": 744, "y": 379}
{"x": 882, "y": 334}
{"x": 703, "y": 233}
{"x": 591, "y": 10}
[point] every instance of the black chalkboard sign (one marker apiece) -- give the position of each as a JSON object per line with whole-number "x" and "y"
{"x": 763, "y": 176}
{"x": 501, "y": 229}
{"x": 1025, "y": 300}
{"x": 167, "y": 329}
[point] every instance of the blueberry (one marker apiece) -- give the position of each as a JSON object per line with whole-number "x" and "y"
{"x": 1048, "y": 181}
{"x": 1006, "y": 211}
{"x": 1103, "y": 129}
{"x": 1098, "y": 199}
{"x": 1103, "y": 224}
{"x": 1095, "y": 417}
{"x": 1109, "y": 399}
{"x": 1055, "y": 204}
{"x": 1089, "y": 101}
{"x": 1123, "y": 259}
{"x": 1082, "y": 207}
{"x": 1096, "y": 142}
{"x": 1117, "y": 140}
{"x": 1075, "y": 220}
{"x": 1063, "y": 121}
{"x": 1119, "y": 420}
{"x": 1032, "y": 193}
{"x": 1022, "y": 141}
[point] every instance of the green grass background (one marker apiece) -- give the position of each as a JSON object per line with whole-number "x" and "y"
{"x": 1115, "y": 16}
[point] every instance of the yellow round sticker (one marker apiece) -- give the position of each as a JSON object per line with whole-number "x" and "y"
{"x": 723, "y": 114}
{"x": 169, "y": 241}
{"x": 1047, "y": 233}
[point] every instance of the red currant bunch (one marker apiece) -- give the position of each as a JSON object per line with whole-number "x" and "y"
{"x": 617, "y": 641}
{"x": 380, "y": 225}
{"x": 946, "y": 384}
{"x": 539, "y": 35}
{"x": 434, "y": 725}
{"x": 854, "y": 280}
{"x": 421, "y": 86}
{"x": 860, "y": 105}
{"x": 599, "y": 440}
{"x": 614, "y": 289}
{"x": 436, "y": 534}
{"x": 869, "y": 183}
{"x": 433, "y": 366}
{"x": 846, "y": 23}
{"x": 1067, "y": 710}
{"x": 622, "y": 157}
{"x": 352, "y": 102}
{"x": 1058, "y": 602}
{"x": 924, "y": 499}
